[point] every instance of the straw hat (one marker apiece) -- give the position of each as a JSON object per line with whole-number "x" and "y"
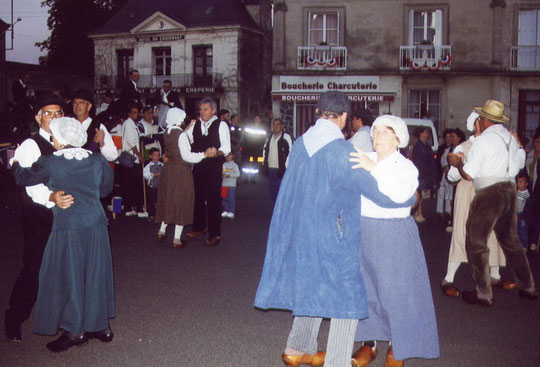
{"x": 493, "y": 111}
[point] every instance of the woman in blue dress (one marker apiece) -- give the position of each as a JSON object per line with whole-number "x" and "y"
{"x": 400, "y": 303}
{"x": 76, "y": 279}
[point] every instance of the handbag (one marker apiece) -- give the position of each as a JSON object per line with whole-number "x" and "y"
{"x": 126, "y": 160}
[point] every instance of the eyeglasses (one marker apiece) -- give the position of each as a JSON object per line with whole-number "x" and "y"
{"x": 384, "y": 133}
{"x": 55, "y": 114}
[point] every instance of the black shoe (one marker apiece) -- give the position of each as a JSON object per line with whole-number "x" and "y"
{"x": 531, "y": 296}
{"x": 104, "y": 335}
{"x": 12, "y": 329}
{"x": 66, "y": 341}
{"x": 471, "y": 298}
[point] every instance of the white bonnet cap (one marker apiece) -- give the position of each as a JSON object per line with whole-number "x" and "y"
{"x": 68, "y": 131}
{"x": 397, "y": 124}
{"x": 175, "y": 116}
{"x": 471, "y": 119}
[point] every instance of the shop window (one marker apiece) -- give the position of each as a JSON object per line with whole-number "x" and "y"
{"x": 202, "y": 65}
{"x": 425, "y": 103}
{"x": 162, "y": 61}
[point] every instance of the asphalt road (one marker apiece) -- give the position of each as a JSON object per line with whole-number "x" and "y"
{"x": 193, "y": 307}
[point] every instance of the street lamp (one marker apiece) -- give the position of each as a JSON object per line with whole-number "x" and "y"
{"x": 12, "y": 28}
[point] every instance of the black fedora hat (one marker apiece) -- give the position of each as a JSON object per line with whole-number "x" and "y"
{"x": 83, "y": 94}
{"x": 46, "y": 99}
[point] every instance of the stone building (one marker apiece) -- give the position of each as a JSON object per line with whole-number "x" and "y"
{"x": 434, "y": 59}
{"x": 211, "y": 48}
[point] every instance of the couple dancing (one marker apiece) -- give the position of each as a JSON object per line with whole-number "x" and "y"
{"x": 330, "y": 257}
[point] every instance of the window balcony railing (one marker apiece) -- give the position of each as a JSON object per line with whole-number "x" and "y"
{"x": 525, "y": 58}
{"x": 156, "y": 81}
{"x": 425, "y": 58}
{"x": 322, "y": 58}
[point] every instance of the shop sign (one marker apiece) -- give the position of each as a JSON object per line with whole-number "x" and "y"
{"x": 198, "y": 90}
{"x": 322, "y": 84}
{"x": 163, "y": 38}
{"x": 367, "y": 97}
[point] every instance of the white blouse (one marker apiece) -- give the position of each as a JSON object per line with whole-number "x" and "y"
{"x": 397, "y": 178}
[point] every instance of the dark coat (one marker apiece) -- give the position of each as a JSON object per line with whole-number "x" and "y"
{"x": 18, "y": 91}
{"x": 283, "y": 153}
{"x": 312, "y": 266}
{"x": 173, "y": 98}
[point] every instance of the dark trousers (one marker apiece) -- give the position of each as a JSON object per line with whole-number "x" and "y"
{"x": 132, "y": 186}
{"x": 207, "y": 181}
{"x": 151, "y": 199}
{"x": 36, "y": 225}
{"x": 495, "y": 207}
{"x": 273, "y": 183}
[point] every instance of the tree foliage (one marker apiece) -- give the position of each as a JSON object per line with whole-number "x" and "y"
{"x": 70, "y": 21}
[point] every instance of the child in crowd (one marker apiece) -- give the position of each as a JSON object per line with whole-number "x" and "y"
{"x": 522, "y": 181}
{"x": 151, "y": 173}
{"x": 230, "y": 173}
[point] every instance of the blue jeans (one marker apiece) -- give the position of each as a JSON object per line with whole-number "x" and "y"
{"x": 273, "y": 183}
{"x": 523, "y": 231}
{"x": 229, "y": 202}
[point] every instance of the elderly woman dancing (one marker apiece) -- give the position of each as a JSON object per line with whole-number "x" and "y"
{"x": 391, "y": 256}
{"x": 76, "y": 278}
{"x": 176, "y": 194}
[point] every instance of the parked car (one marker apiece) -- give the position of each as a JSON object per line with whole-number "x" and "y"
{"x": 412, "y": 124}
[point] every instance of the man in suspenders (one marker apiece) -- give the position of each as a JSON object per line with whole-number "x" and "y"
{"x": 494, "y": 160}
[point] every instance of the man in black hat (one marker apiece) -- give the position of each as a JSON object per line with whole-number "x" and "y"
{"x": 99, "y": 139}
{"x": 36, "y": 216}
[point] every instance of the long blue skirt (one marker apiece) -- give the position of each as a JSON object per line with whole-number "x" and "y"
{"x": 400, "y": 303}
{"x": 76, "y": 291}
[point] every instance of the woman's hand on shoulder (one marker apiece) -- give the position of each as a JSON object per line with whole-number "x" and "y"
{"x": 362, "y": 160}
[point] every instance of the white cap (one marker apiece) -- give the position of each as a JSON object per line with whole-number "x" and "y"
{"x": 397, "y": 124}
{"x": 68, "y": 131}
{"x": 175, "y": 116}
{"x": 471, "y": 119}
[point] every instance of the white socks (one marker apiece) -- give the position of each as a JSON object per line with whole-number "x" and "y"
{"x": 451, "y": 271}
{"x": 163, "y": 227}
{"x": 494, "y": 272}
{"x": 178, "y": 231}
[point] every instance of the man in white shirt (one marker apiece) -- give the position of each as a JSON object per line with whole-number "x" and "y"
{"x": 275, "y": 153}
{"x": 99, "y": 139}
{"x": 361, "y": 125}
{"x": 208, "y": 132}
{"x": 494, "y": 160}
{"x": 36, "y": 216}
{"x": 131, "y": 178}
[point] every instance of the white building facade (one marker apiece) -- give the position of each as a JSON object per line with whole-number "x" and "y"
{"x": 204, "y": 50}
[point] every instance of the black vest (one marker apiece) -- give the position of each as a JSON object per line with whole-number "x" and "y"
{"x": 37, "y": 212}
{"x": 91, "y": 132}
{"x": 202, "y": 142}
